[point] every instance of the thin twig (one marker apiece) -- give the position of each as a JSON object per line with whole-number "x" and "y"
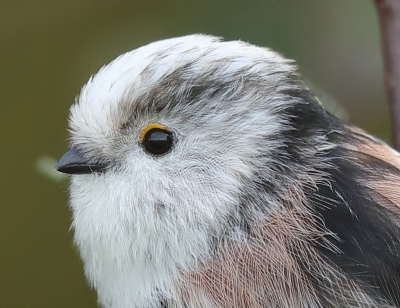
{"x": 389, "y": 18}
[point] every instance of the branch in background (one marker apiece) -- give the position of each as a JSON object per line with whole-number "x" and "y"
{"x": 389, "y": 18}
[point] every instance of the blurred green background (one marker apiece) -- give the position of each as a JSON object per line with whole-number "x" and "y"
{"x": 48, "y": 50}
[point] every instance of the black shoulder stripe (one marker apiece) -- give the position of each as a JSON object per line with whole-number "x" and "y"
{"x": 369, "y": 238}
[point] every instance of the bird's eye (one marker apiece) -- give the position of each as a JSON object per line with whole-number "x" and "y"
{"x": 156, "y": 139}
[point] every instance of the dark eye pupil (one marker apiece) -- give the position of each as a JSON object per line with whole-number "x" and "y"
{"x": 158, "y": 141}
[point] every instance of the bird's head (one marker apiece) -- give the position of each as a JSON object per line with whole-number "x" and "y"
{"x": 166, "y": 143}
{"x": 178, "y": 148}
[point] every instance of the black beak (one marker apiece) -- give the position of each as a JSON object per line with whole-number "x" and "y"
{"x": 73, "y": 162}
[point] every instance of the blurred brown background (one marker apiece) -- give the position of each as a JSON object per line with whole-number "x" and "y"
{"x": 49, "y": 49}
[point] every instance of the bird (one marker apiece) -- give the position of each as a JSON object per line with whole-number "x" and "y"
{"x": 205, "y": 173}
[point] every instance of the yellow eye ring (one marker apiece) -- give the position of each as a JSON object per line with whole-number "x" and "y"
{"x": 149, "y": 128}
{"x": 156, "y": 139}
